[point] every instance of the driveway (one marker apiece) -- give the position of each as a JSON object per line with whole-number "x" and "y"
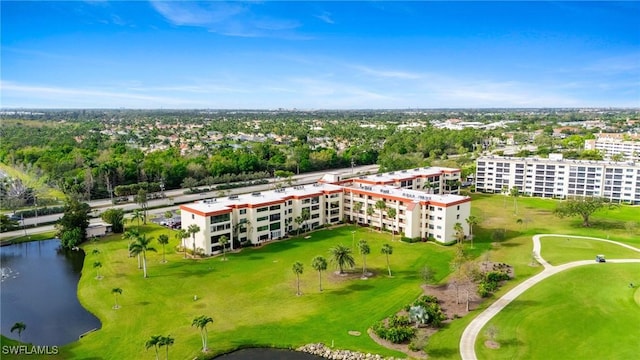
{"x": 470, "y": 334}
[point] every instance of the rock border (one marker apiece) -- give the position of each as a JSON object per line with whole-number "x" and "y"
{"x": 324, "y": 351}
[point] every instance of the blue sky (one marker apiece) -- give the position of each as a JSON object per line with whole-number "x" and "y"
{"x": 319, "y": 55}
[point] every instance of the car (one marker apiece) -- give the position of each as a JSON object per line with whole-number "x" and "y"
{"x": 600, "y": 259}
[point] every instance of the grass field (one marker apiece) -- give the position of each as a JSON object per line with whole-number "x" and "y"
{"x": 251, "y": 297}
{"x": 558, "y": 250}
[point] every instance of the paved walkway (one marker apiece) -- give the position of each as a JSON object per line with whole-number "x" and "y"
{"x": 470, "y": 334}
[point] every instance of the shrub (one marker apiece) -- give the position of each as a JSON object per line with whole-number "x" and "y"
{"x": 398, "y": 329}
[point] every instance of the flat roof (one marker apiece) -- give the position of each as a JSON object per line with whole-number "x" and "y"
{"x": 410, "y": 195}
{"x": 400, "y": 175}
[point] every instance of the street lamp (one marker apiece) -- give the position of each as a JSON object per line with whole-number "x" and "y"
{"x": 353, "y": 239}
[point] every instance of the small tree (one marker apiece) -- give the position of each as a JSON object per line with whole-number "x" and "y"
{"x": 472, "y": 221}
{"x": 381, "y": 205}
{"x": 298, "y": 268}
{"x": 163, "y": 240}
{"x": 183, "y": 234}
{"x": 319, "y": 264}
{"x": 115, "y": 217}
{"x": 166, "y": 341}
{"x": 427, "y": 274}
{"x": 154, "y": 341}
{"x": 459, "y": 232}
{"x": 357, "y": 207}
{"x": 391, "y": 213}
{"x": 581, "y": 206}
{"x": 387, "y": 250}
{"x": 341, "y": 256}
{"x": 364, "y": 248}
{"x": 370, "y": 212}
{"x": 201, "y": 323}
{"x": 515, "y": 192}
{"x": 116, "y": 292}
{"x": 223, "y": 240}
{"x": 138, "y": 215}
{"x": 97, "y": 265}
{"x": 19, "y": 327}
{"x": 193, "y": 229}
{"x": 140, "y": 247}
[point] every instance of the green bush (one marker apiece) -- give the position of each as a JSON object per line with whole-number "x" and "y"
{"x": 398, "y": 329}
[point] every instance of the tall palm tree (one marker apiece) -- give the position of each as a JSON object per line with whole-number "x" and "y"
{"x": 341, "y": 256}
{"x": 201, "y": 323}
{"x": 391, "y": 212}
{"x": 364, "y": 248}
{"x": 132, "y": 235}
{"x": 116, "y": 292}
{"x": 166, "y": 341}
{"x": 459, "y": 232}
{"x": 97, "y": 265}
{"x": 356, "y": 210}
{"x": 138, "y": 215}
{"x": 193, "y": 229}
{"x": 380, "y": 205}
{"x": 472, "y": 221}
{"x": 223, "y": 240}
{"x": 298, "y": 220}
{"x": 387, "y": 250}
{"x": 19, "y": 327}
{"x": 369, "y": 214}
{"x": 319, "y": 264}
{"x": 141, "y": 246}
{"x": 298, "y": 268}
{"x": 163, "y": 240}
{"x": 154, "y": 341}
{"x": 181, "y": 235}
{"x": 515, "y": 192}
{"x": 305, "y": 215}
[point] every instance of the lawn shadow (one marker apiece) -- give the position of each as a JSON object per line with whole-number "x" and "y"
{"x": 445, "y": 353}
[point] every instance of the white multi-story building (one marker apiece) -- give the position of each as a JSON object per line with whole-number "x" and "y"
{"x": 616, "y": 144}
{"x": 559, "y": 178}
{"x": 270, "y": 215}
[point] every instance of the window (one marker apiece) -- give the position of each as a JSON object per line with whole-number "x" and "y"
{"x": 263, "y": 218}
{"x": 274, "y": 217}
{"x": 274, "y": 226}
{"x": 263, "y": 228}
{"x": 243, "y": 211}
{"x": 274, "y": 207}
{"x": 220, "y": 218}
{"x": 263, "y": 209}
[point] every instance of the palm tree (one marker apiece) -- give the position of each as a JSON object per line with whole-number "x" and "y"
{"x": 341, "y": 256}
{"x": 19, "y": 327}
{"x": 97, "y": 265}
{"x": 181, "y": 235}
{"x": 132, "y": 235}
{"x": 380, "y": 205}
{"x": 305, "y": 215}
{"x": 154, "y": 341}
{"x": 163, "y": 240}
{"x": 391, "y": 212}
{"x": 319, "y": 264}
{"x": 141, "y": 246}
{"x": 457, "y": 227}
{"x": 201, "y": 323}
{"x": 116, "y": 292}
{"x": 166, "y": 341}
{"x": 95, "y": 252}
{"x": 369, "y": 214}
{"x": 364, "y": 248}
{"x": 137, "y": 215}
{"x": 299, "y": 222}
{"x": 298, "y": 268}
{"x": 472, "y": 221}
{"x": 515, "y": 192}
{"x": 193, "y": 229}
{"x": 387, "y": 250}
{"x": 356, "y": 209}
{"x": 223, "y": 241}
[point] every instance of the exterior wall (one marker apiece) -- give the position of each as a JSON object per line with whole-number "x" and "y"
{"x": 558, "y": 178}
{"x": 611, "y": 146}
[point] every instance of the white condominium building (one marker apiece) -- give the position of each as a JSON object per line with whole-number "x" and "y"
{"x": 628, "y": 147}
{"x": 270, "y": 215}
{"x": 559, "y": 178}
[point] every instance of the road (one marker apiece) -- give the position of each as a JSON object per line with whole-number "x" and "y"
{"x": 175, "y": 197}
{"x": 471, "y": 332}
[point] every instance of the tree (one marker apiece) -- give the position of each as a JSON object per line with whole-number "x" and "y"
{"x": 138, "y": 215}
{"x": 201, "y": 323}
{"x": 115, "y": 217}
{"x": 223, "y": 241}
{"x": 357, "y": 207}
{"x": 193, "y": 229}
{"x": 132, "y": 235}
{"x": 427, "y": 274}
{"x": 166, "y": 341}
{"x": 459, "y": 232}
{"x": 341, "y": 256}
{"x": 168, "y": 215}
{"x": 7, "y": 223}
{"x": 19, "y": 327}
{"x": 298, "y": 268}
{"x": 387, "y": 250}
{"x": 181, "y": 235}
{"x": 364, "y": 248}
{"x": 472, "y": 221}
{"x": 143, "y": 202}
{"x": 381, "y": 205}
{"x": 369, "y": 214}
{"x": 319, "y": 264}
{"x": 141, "y": 246}
{"x": 391, "y": 212}
{"x": 97, "y": 265}
{"x": 305, "y": 215}
{"x": 456, "y": 264}
{"x": 72, "y": 227}
{"x": 515, "y": 192}
{"x": 581, "y": 206}
{"x": 154, "y": 341}
{"x": 163, "y": 240}
{"x": 298, "y": 220}
{"x": 116, "y": 292}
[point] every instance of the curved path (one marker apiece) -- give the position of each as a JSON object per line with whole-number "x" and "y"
{"x": 470, "y": 334}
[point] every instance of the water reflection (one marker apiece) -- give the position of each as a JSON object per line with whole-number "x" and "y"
{"x": 40, "y": 290}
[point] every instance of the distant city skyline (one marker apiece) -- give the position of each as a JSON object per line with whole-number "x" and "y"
{"x": 319, "y": 55}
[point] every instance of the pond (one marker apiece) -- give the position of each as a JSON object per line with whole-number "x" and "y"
{"x": 39, "y": 288}
{"x": 267, "y": 354}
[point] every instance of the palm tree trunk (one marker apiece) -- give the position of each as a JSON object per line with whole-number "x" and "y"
{"x": 163, "y": 258}
{"x": 320, "y": 276}
{"x": 388, "y": 267}
{"x": 144, "y": 265}
{"x": 139, "y": 264}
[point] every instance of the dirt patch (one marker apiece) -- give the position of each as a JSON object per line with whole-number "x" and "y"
{"x": 492, "y": 344}
{"x": 351, "y": 275}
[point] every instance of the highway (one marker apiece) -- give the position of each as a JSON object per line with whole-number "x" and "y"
{"x": 175, "y": 197}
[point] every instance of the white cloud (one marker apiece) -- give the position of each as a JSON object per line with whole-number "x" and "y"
{"x": 326, "y": 17}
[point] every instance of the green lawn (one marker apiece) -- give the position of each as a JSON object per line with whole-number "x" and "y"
{"x": 583, "y": 313}
{"x": 560, "y": 250}
{"x": 251, "y": 297}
